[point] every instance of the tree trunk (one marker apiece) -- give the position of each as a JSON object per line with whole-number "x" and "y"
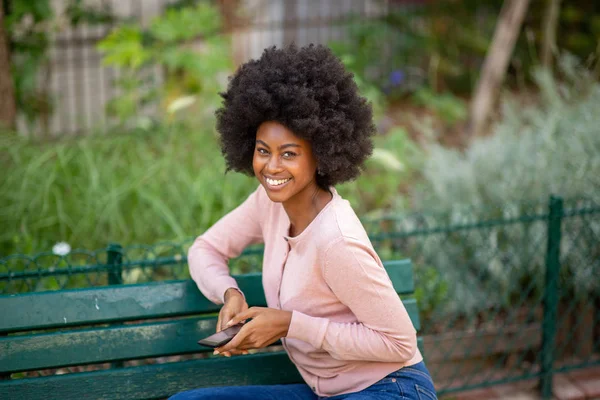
{"x": 496, "y": 61}
{"x": 8, "y": 105}
{"x": 550, "y": 26}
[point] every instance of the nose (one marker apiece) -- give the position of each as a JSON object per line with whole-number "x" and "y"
{"x": 274, "y": 165}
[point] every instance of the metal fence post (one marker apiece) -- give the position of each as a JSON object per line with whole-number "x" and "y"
{"x": 115, "y": 261}
{"x": 115, "y": 276}
{"x": 551, "y": 295}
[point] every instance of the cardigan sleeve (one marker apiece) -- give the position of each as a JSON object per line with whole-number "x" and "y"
{"x": 209, "y": 254}
{"x": 384, "y": 331}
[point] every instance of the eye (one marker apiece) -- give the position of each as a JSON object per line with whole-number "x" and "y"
{"x": 289, "y": 154}
{"x": 262, "y": 151}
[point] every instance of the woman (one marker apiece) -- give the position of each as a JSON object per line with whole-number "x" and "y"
{"x": 294, "y": 119}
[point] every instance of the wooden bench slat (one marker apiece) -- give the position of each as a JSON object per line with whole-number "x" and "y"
{"x": 46, "y": 310}
{"x": 89, "y": 346}
{"x": 413, "y": 312}
{"x": 421, "y": 346}
{"x": 125, "y": 342}
{"x": 157, "y": 381}
{"x": 401, "y": 275}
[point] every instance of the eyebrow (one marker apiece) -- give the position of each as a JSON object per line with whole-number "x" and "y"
{"x": 283, "y": 146}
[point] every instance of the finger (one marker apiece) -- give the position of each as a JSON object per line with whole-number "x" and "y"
{"x": 219, "y": 323}
{"x": 224, "y": 317}
{"x": 223, "y": 322}
{"x": 244, "y": 315}
{"x": 228, "y": 348}
{"x": 232, "y": 352}
{"x": 235, "y": 343}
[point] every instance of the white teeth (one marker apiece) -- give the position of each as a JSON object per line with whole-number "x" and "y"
{"x": 276, "y": 182}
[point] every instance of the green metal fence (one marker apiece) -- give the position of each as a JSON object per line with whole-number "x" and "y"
{"x": 505, "y": 294}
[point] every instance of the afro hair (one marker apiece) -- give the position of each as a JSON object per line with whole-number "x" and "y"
{"x": 309, "y": 91}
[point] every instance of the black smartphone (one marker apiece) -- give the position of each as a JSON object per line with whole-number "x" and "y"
{"x": 221, "y": 338}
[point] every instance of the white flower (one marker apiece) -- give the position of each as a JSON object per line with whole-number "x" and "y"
{"x": 180, "y": 103}
{"x": 61, "y": 249}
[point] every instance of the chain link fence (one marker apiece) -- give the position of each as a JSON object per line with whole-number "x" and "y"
{"x": 505, "y": 294}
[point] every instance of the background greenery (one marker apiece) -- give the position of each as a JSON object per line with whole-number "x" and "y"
{"x": 470, "y": 212}
{"x": 159, "y": 175}
{"x": 164, "y": 183}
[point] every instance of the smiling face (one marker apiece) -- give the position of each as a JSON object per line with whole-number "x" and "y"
{"x": 283, "y": 163}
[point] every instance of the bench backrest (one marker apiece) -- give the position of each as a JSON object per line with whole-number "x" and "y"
{"x": 124, "y": 323}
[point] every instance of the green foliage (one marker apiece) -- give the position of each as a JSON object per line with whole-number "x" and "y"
{"x": 421, "y": 46}
{"x": 446, "y": 40}
{"x": 393, "y": 164}
{"x": 368, "y": 52}
{"x": 124, "y": 48}
{"x": 167, "y": 183}
{"x": 30, "y": 25}
{"x": 441, "y": 45}
{"x": 187, "y": 23}
{"x": 432, "y": 290}
{"x": 450, "y": 108}
{"x": 79, "y": 12}
{"x": 185, "y": 44}
{"x": 370, "y": 91}
{"x": 579, "y": 30}
{"x": 144, "y": 187}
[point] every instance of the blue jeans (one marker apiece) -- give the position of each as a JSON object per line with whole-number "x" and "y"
{"x": 412, "y": 383}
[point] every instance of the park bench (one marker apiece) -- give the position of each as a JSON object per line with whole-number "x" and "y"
{"x": 123, "y": 337}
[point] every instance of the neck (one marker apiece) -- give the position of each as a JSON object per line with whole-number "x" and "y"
{"x": 304, "y": 207}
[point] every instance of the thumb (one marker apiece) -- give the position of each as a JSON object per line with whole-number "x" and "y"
{"x": 242, "y": 316}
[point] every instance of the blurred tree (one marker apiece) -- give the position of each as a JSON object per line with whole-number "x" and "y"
{"x": 229, "y": 10}
{"x": 8, "y": 107}
{"x": 550, "y": 26}
{"x": 496, "y": 62}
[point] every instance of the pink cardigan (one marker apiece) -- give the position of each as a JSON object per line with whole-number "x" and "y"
{"x": 349, "y": 328}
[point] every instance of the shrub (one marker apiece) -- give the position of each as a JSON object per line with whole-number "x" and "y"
{"x": 552, "y": 147}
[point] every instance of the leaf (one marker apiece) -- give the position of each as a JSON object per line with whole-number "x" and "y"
{"x": 123, "y": 48}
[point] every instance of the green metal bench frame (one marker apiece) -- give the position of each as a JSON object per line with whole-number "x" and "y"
{"x": 114, "y": 324}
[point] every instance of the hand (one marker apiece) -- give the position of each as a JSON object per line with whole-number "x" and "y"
{"x": 234, "y": 304}
{"x": 267, "y": 326}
